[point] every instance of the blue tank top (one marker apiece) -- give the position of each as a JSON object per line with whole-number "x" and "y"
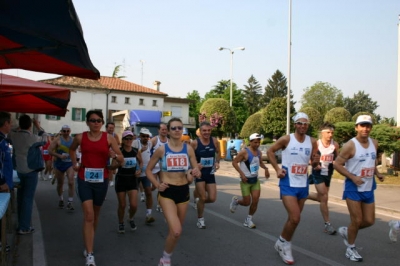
{"x": 175, "y": 161}
{"x": 63, "y": 148}
{"x": 205, "y": 155}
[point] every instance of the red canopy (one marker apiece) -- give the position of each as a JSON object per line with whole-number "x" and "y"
{"x": 28, "y": 96}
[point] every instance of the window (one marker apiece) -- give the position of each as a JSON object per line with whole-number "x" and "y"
{"x": 127, "y": 100}
{"x": 113, "y": 99}
{"x": 141, "y": 101}
{"x": 78, "y": 114}
{"x": 176, "y": 111}
{"x": 52, "y": 117}
{"x": 154, "y": 102}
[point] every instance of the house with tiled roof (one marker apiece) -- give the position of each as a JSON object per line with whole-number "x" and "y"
{"x": 112, "y": 95}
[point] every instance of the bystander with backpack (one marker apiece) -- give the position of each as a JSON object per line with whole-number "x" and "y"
{"x": 29, "y": 162}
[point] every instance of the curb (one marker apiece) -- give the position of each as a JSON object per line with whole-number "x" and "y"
{"x": 38, "y": 250}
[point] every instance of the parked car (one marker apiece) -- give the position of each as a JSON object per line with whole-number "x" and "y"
{"x": 264, "y": 156}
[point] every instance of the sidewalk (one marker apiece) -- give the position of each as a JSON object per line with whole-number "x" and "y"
{"x": 28, "y": 250}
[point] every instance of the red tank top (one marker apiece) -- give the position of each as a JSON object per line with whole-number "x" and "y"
{"x": 45, "y": 152}
{"x": 95, "y": 154}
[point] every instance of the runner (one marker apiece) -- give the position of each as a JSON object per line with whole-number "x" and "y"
{"x": 247, "y": 163}
{"x": 357, "y": 162}
{"x": 59, "y": 149}
{"x": 322, "y": 174}
{"x": 208, "y": 155}
{"x": 92, "y": 181}
{"x": 297, "y": 150}
{"x": 48, "y": 159}
{"x": 110, "y": 127}
{"x": 176, "y": 158}
{"x": 156, "y": 142}
{"x": 143, "y": 144}
{"x": 126, "y": 181}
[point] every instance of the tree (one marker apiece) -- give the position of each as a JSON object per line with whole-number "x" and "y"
{"x": 219, "y": 90}
{"x": 220, "y": 106}
{"x": 344, "y": 131}
{"x": 387, "y": 137}
{"x": 315, "y": 120}
{"x": 322, "y": 96}
{"x": 116, "y": 71}
{"x": 388, "y": 121}
{"x": 277, "y": 87}
{"x": 337, "y": 114}
{"x": 252, "y": 125}
{"x": 273, "y": 119}
{"x": 360, "y": 102}
{"x": 194, "y": 107}
{"x": 252, "y": 95}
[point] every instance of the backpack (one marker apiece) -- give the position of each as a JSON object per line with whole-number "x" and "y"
{"x": 35, "y": 158}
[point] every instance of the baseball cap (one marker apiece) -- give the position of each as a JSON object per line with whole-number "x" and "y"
{"x": 144, "y": 131}
{"x": 300, "y": 115}
{"x": 364, "y": 119}
{"x": 255, "y": 136}
{"x": 65, "y": 127}
{"x": 127, "y": 133}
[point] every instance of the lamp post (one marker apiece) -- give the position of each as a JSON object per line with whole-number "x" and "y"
{"x": 231, "y": 51}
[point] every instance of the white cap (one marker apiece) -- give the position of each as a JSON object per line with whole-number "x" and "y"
{"x": 364, "y": 119}
{"x": 65, "y": 127}
{"x": 145, "y": 131}
{"x": 300, "y": 115}
{"x": 255, "y": 136}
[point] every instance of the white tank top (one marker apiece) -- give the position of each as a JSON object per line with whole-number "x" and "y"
{"x": 362, "y": 164}
{"x": 157, "y": 167}
{"x": 295, "y": 159}
{"x": 327, "y": 156}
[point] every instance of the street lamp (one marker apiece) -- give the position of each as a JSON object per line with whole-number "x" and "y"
{"x": 231, "y": 51}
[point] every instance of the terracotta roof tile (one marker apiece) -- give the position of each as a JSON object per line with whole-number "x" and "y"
{"x": 75, "y": 82}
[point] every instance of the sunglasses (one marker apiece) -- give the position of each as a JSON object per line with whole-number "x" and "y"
{"x": 176, "y": 128}
{"x": 301, "y": 123}
{"x": 95, "y": 120}
{"x": 65, "y": 131}
{"x": 128, "y": 139}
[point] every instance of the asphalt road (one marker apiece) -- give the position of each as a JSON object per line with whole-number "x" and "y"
{"x": 224, "y": 242}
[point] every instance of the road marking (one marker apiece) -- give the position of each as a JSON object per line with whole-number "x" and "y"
{"x": 273, "y": 239}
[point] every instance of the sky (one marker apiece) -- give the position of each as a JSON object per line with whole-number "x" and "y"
{"x": 351, "y": 44}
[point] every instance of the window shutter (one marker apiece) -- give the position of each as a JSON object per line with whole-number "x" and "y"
{"x": 83, "y": 114}
{"x": 73, "y": 114}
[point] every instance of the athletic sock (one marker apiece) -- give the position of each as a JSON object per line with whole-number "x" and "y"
{"x": 148, "y": 212}
{"x": 167, "y": 256}
{"x": 282, "y": 239}
{"x": 70, "y": 199}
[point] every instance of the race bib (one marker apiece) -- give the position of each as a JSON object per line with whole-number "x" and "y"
{"x": 130, "y": 162}
{"x": 45, "y": 152}
{"x": 207, "y": 162}
{"x": 177, "y": 162}
{"x": 68, "y": 159}
{"x": 94, "y": 175}
{"x": 328, "y": 158}
{"x": 299, "y": 169}
{"x": 367, "y": 172}
{"x": 254, "y": 168}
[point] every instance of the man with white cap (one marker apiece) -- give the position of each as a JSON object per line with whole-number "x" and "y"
{"x": 59, "y": 149}
{"x": 144, "y": 145}
{"x": 247, "y": 163}
{"x": 110, "y": 127}
{"x": 297, "y": 151}
{"x": 357, "y": 162}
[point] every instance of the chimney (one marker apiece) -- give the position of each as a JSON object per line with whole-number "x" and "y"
{"x": 157, "y": 85}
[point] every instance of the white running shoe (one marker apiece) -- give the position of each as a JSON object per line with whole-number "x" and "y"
{"x": 352, "y": 254}
{"x": 285, "y": 251}
{"x": 111, "y": 183}
{"x": 142, "y": 197}
{"x": 393, "y": 230}
{"x": 90, "y": 260}
{"x": 343, "y": 233}
{"x": 201, "y": 224}
{"x": 196, "y": 200}
{"x": 234, "y": 204}
{"x": 158, "y": 208}
{"x": 164, "y": 262}
{"x": 249, "y": 223}
{"x": 329, "y": 229}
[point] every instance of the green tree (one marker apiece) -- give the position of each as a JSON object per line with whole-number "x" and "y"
{"x": 194, "y": 107}
{"x": 277, "y": 87}
{"x": 360, "y": 102}
{"x": 337, "y": 114}
{"x": 315, "y": 120}
{"x": 273, "y": 119}
{"x": 322, "y": 96}
{"x": 252, "y": 95}
{"x": 252, "y": 125}
{"x": 344, "y": 131}
{"x": 220, "y": 106}
{"x": 388, "y": 121}
{"x": 117, "y": 69}
{"x": 387, "y": 137}
{"x": 219, "y": 90}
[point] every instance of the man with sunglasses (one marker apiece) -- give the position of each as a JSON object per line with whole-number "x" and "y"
{"x": 357, "y": 162}
{"x": 59, "y": 149}
{"x": 297, "y": 151}
{"x": 322, "y": 174}
{"x": 208, "y": 155}
{"x": 143, "y": 145}
{"x": 110, "y": 127}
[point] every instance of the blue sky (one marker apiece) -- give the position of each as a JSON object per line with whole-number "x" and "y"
{"x": 352, "y": 44}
